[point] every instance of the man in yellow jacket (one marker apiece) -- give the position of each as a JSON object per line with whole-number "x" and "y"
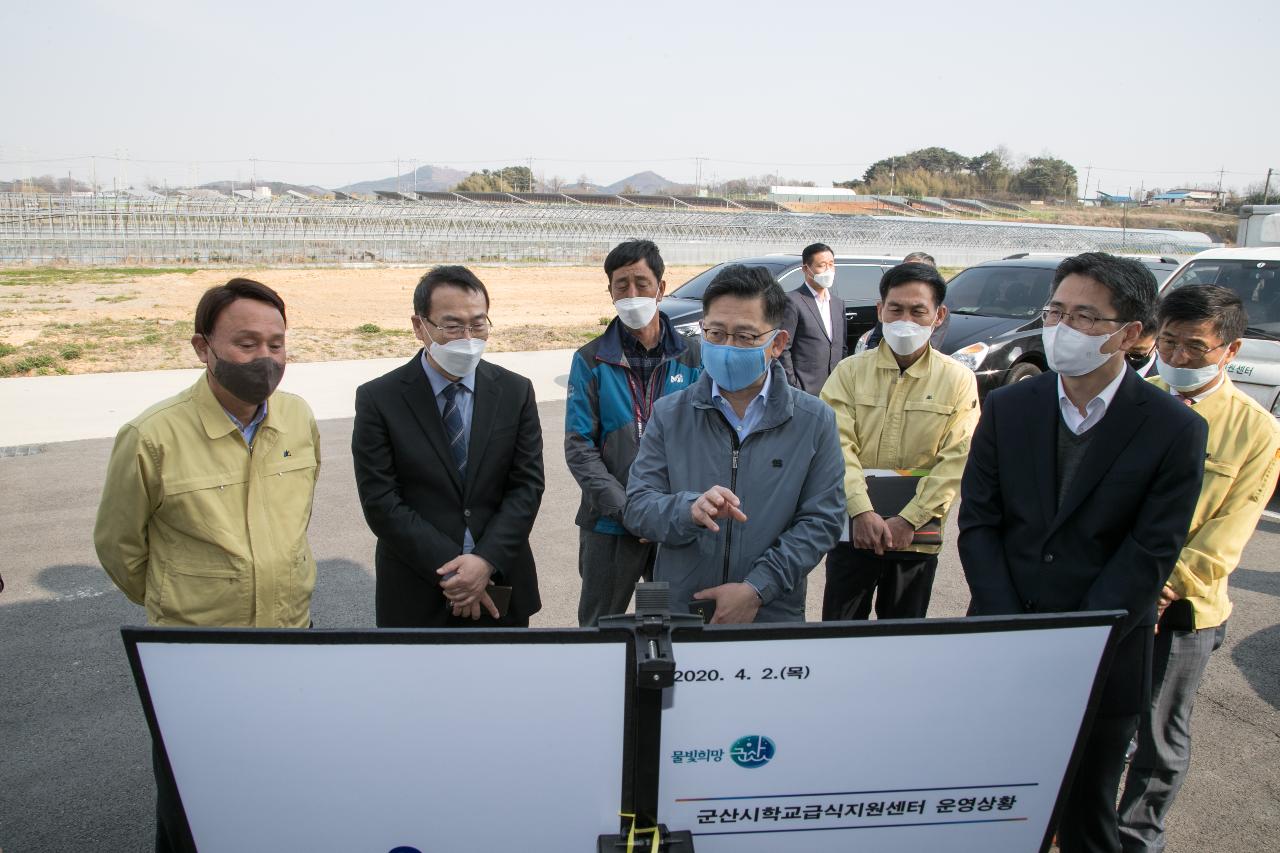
{"x": 1200, "y": 328}
{"x": 899, "y": 406}
{"x": 204, "y": 514}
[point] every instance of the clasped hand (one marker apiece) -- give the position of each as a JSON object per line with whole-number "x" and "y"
{"x": 464, "y": 581}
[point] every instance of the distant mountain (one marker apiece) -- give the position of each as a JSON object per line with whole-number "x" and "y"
{"x": 277, "y": 187}
{"x": 649, "y": 183}
{"x": 430, "y": 179}
{"x": 646, "y": 183}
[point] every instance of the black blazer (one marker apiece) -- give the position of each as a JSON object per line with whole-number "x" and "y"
{"x": 416, "y": 504}
{"x": 1112, "y": 543}
{"x": 810, "y": 355}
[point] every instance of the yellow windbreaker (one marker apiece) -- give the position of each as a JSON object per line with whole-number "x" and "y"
{"x": 920, "y": 418}
{"x": 201, "y": 530}
{"x": 1240, "y": 471}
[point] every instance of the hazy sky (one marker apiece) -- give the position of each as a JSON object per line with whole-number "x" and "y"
{"x": 1157, "y": 94}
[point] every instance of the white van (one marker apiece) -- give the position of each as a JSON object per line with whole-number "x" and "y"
{"x": 1254, "y": 274}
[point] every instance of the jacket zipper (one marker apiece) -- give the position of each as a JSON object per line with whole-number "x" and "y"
{"x": 733, "y": 487}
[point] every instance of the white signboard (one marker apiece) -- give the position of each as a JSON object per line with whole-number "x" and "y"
{"x": 883, "y": 744}
{"x": 393, "y": 746}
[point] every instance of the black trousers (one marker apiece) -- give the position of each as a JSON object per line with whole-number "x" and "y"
{"x": 901, "y": 583}
{"x": 168, "y": 810}
{"x": 1089, "y": 822}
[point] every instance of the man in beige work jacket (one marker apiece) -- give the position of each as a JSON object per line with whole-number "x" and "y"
{"x": 204, "y": 514}
{"x": 899, "y": 406}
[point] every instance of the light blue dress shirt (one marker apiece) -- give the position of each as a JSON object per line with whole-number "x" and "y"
{"x": 466, "y": 403}
{"x": 251, "y": 429}
{"x": 746, "y": 424}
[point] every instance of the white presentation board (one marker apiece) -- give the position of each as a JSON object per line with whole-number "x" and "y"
{"x": 391, "y": 740}
{"x": 956, "y": 740}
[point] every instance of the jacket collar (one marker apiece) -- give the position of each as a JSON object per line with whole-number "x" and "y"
{"x": 214, "y": 418}
{"x": 918, "y": 370}
{"x": 778, "y": 406}
{"x": 610, "y": 348}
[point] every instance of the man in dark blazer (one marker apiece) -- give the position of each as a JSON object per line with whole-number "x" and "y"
{"x": 815, "y": 323}
{"x": 1077, "y": 495}
{"x": 448, "y": 462}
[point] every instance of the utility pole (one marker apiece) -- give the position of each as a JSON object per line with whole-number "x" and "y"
{"x": 697, "y": 174}
{"x": 1217, "y": 199}
{"x": 1266, "y": 188}
{"x": 415, "y": 176}
{"x": 1087, "y": 171}
{"x": 529, "y": 188}
{"x": 397, "y": 174}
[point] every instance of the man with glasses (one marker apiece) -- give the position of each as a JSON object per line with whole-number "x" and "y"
{"x": 614, "y": 382}
{"x": 900, "y": 405}
{"x": 1200, "y": 334}
{"x": 448, "y": 463}
{"x": 739, "y": 479}
{"x": 1077, "y": 496}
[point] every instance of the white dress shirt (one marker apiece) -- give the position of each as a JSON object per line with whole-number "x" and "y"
{"x": 1094, "y": 409}
{"x": 824, "y": 306}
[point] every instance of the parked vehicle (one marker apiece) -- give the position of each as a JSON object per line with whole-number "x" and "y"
{"x": 994, "y": 326}
{"x": 857, "y": 283}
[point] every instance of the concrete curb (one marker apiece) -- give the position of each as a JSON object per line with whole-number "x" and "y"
{"x": 46, "y": 409}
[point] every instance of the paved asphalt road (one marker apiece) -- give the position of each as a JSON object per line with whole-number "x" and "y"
{"x": 75, "y": 770}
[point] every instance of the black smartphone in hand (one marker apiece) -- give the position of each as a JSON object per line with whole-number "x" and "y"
{"x": 704, "y": 607}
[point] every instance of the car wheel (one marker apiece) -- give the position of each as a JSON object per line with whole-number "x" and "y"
{"x": 1022, "y": 371}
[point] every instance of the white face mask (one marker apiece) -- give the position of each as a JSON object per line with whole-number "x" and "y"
{"x": 905, "y": 337}
{"x": 825, "y": 279}
{"x": 1072, "y": 352}
{"x": 636, "y": 312}
{"x": 1186, "y": 378}
{"x": 460, "y": 357}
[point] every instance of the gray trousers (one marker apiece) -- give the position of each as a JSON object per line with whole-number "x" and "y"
{"x": 610, "y": 566}
{"x": 1164, "y": 736}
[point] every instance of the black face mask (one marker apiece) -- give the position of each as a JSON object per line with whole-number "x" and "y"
{"x": 1137, "y": 361}
{"x": 253, "y": 382}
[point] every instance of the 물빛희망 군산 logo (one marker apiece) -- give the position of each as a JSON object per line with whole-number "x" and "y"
{"x": 752, "y": 751}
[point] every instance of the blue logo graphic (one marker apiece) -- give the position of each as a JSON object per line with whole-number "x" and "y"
{"x": 752, "y": 751}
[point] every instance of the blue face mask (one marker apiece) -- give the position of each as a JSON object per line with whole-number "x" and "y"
{"x": 734, "y": 368}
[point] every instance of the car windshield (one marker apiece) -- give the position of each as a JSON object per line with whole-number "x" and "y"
{"x": 1015, "y": 293}
{"x": 856, "y": 284}
{"x": 1257, "y": 283}
{"x": 693, "y": 288}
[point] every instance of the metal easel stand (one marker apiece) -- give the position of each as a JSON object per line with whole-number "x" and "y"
{"x": 651, "y": 626}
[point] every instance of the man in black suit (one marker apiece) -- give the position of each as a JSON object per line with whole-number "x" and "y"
{"x": 815, "y": 323}
{"x": 1077, "y": 496}
{"x": 448, "y": 459}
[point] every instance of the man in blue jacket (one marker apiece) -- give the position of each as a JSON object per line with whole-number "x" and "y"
{"x": 740, "y": 478}
{"x": 613, "y": 384}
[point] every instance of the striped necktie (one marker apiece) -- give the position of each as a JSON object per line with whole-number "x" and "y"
{"x": 454, "y": 429}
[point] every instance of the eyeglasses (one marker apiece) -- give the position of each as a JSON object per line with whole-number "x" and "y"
{"x": 1081, "y": 320}
{"x": 1168, "y": 346}
{"x": 479, "y": 329}
{"x": 740, "y": 339}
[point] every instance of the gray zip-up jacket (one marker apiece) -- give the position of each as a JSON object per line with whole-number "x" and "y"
{"x": 788, "y": 473}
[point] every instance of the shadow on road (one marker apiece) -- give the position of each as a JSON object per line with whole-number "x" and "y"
{"x": 1255, "y": 656}
{"x": 1267, "y": 583}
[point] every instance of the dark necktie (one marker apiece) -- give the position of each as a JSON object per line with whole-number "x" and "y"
{"x": 454, "y": 428}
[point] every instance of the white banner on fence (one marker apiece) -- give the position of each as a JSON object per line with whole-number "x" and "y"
{"x": 883, "y": 744}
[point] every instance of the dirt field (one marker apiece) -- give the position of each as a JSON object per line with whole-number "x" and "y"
{"x": 95, "y": 321}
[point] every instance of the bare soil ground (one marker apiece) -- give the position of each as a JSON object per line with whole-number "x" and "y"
{"x": 96, "y": 321}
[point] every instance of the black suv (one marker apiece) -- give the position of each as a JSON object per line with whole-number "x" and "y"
{"x": 994, "y": 326}
{"x": 857, "y": 283}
